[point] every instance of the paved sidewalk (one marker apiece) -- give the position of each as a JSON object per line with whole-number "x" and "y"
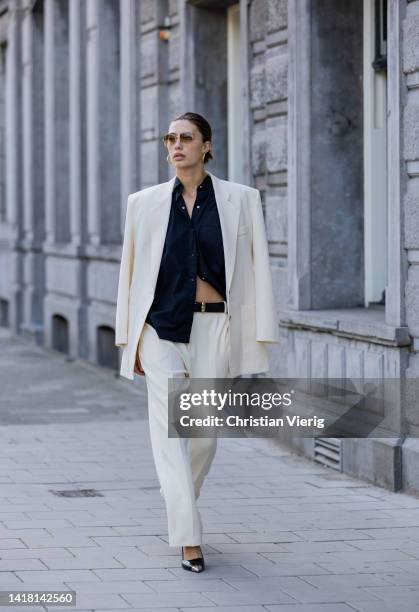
{"x": 282, "y": 534}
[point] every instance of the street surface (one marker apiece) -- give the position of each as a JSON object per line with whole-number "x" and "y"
{"x": 282, "y": 534}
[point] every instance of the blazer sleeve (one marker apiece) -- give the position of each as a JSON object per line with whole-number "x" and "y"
{"x": 125, "y": 275}
{"x": 266, "y": 315}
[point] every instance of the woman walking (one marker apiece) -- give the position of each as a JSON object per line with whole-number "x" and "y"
{"x": 195, "y": 299}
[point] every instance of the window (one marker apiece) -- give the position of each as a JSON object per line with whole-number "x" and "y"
{"x": 213, "y": 80}
{"x": 325, "y": 155}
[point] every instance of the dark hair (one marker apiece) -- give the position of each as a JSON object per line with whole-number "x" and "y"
{"x": 202, "y": 125}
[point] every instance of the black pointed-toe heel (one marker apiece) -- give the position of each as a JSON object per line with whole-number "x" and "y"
{"x": 193, "y": 565}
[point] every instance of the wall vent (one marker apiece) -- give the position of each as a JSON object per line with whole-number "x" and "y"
{"x": 328, "y": 452}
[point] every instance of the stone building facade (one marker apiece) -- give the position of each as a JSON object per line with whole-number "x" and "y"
{"x": 314, "y": 102}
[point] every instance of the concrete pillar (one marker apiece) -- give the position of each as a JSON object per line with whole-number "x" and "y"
{"x": 33, "y": 124}
{"x": 397, "y": 179}
{"x": 299, "y": 151}
{"x": 13, "y": 157}
{"x": 103, "y": 122}
{"x": 3, "y": 60}
{"x": 130, "y": 175}
{"x": 29, "y": 42}
{"x": 77, "y": 120}
{"x": 92, "y": 62}
{"x": 78, "y": 179}
{"x": 33, "y": 264}
{"x": 56, "y": 121}
{"x": 13, "y": 98}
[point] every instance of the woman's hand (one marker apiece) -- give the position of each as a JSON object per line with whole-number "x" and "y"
{"x": 138, "y": 369}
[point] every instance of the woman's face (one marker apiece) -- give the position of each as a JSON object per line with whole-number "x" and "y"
{"x": 188, "y": 151}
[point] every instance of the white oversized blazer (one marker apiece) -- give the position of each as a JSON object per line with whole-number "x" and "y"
{"x": 249, "y": 292}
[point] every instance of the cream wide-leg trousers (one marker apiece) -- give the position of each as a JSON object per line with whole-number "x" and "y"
{"x": 182, "y": 463}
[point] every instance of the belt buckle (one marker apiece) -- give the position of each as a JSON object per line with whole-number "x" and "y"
{"x": 202, "y": 306}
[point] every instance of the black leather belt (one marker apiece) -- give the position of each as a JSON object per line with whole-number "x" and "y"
{"x": 210, "y": 307}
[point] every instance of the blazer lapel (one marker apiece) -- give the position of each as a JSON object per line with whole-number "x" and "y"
{"x": 228, "y": 204}
{"x": 159, "y": 214}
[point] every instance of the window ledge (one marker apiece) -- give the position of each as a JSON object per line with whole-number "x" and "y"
{"x": 366, "y": 324}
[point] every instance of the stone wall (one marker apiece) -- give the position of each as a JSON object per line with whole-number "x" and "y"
{"x": 268, "y": 77}
{"x": 92, "y": 87}
{"x": 409, "y": 137}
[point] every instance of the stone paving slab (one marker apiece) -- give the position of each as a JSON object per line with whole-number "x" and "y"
{"x": 382, "y": 606}
{"x": 244, "y": 608}
{"x": 47, "y": 575}
{"x": 324, "y": 607}
{"x": 281, "y": 533}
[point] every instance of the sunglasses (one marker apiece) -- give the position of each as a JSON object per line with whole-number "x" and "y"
{"x": 172, "y": 138}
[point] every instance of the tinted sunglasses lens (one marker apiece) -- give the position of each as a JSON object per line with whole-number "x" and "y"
{"x": 186, "y": 137}
{"x": 169, "y": 138}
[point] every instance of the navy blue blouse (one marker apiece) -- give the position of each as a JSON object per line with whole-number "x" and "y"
{"x": 193, "y": 246}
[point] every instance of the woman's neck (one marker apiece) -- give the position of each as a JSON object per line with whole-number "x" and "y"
{"x": 191, "y": 178}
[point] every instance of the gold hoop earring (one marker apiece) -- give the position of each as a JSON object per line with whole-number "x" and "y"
{"x": 203, "y": 157}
